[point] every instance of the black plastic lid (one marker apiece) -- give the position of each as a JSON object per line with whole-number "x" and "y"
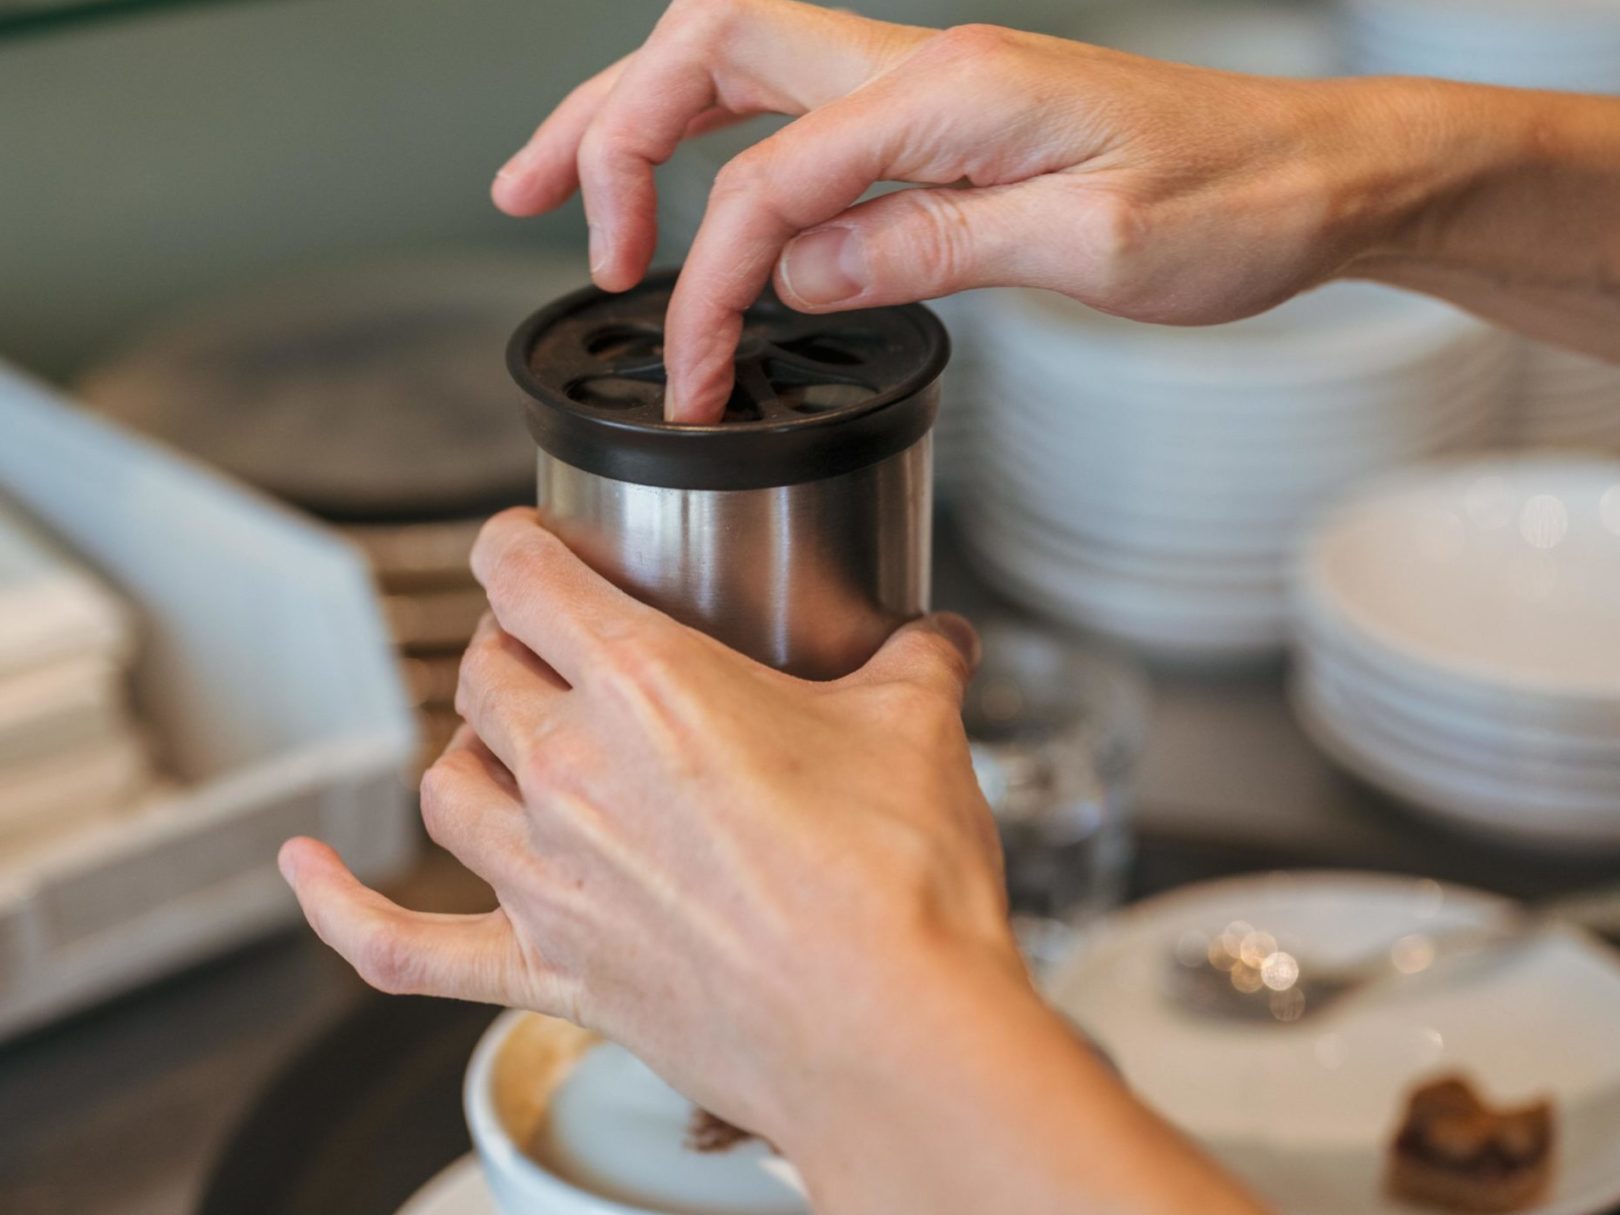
{"x": 815, "y": 396}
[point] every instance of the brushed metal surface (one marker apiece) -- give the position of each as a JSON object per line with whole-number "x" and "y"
{"x": 808, "y": 578}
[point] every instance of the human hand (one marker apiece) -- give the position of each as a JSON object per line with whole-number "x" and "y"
{"x": 737, "y": 874}
{"x": 1151, "y": 190}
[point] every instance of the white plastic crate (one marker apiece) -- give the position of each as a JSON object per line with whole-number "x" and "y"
{"x": 266, "y": 675}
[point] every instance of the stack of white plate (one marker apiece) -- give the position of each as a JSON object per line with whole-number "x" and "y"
{"x": 1259, "y": 37}
{"x": 1459, "y": 644}
{"x": 1567, "y": 400}
{"x": 1549, "y": 44}
{"x": 1150, "y": 482}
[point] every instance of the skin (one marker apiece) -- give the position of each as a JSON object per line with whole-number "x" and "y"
{"x": 749, "y": 901}
{"x": 786, "y": 896}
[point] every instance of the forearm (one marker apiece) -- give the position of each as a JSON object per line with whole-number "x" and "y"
{"x": 1519, "y": 218}
{"x": 973, "y": 1096}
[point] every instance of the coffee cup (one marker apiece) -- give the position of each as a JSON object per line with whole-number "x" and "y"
{"x": 567, "y": 1124}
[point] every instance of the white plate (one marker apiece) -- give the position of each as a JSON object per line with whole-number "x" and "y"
{"x": 1164, "y": 373}
{"x": 1502, "y": 575}
{"x": 1198, "y": 440}
{"x": 1479, "y": 807}
{"x": 1303, "y": 1112}
{"x": 458, "y": 1190}
{"x": 1317, "y": 336}
{"x": 1522, "y": 782}
{"x": 1064, "y": 369}
{"x": 1067, "y": 573}
{"x": 1147, "y": 523}
{"x": 1317, "y": 626}
{"x": 998, "y": 514}
{"x": 1458, "y": 722}
{"x": 1108, "y": 466}
{"x": 1001, "y": 521}
{"x": 1166, "y": 627}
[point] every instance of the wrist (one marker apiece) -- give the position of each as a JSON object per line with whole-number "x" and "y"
{"x": 974, "y": 1096}
{"x": 880, "y": 1062}
{"x": 1482, "y": 169}
{"x": 1401, "y": 153}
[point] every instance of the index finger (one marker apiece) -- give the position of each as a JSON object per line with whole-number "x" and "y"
{"x": 544, "y": 595}
{"x": 806, "y": 174}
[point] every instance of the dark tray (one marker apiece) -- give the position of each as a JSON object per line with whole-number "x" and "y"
{"x": 360, "y": 1120}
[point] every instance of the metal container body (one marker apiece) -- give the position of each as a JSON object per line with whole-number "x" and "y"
{"x": 809, "y": 578}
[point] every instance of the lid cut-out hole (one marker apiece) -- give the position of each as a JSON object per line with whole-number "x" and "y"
{"x": 823, "y": 398}
{"x": 613, "y": 392}
{"x": 624, "y": 341}
{"x": 741, "y": 407}
{"x": 825, "y": 348}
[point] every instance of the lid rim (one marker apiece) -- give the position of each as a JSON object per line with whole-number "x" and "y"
{"x": 756, "y": 454}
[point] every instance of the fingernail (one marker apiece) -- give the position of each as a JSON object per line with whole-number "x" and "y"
{"x": 960, "y": 633}
{"x": 284, "y": 862}
{"x": 598, "y": 247}
{"x": 511, "y": 166}
{"x": 825, "y": 266}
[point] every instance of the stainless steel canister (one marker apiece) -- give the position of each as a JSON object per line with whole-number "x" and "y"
{"x": 797, "y": 530}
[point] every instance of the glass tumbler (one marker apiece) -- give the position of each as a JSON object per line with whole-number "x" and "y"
{"x": 1056, "y": 730}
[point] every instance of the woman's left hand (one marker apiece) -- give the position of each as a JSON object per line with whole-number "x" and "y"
{"x": 722, "y": 867}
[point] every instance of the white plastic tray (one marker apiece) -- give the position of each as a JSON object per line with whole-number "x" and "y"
{"x": 266, "y": 676}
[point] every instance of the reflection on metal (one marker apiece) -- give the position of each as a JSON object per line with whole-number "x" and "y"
{"x": 808, "y": 578}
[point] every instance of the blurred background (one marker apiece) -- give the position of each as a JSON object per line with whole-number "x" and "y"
{"x": 253, "y": 301}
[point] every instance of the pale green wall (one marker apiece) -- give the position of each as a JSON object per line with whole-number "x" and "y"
{"x": 144, "y": 160}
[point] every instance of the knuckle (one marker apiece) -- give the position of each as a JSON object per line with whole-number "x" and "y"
{"x": 709, "y": 16}
{"x": 498, "y": 532}
{"x": 939, "y": 236}
{"x": 1119, "y": 232}
{"x": 475, "y": 674}
{"x": 744, "y": 175}
{"x": 971, "y": 43}
{"x": 519, "y": 566}
{"x": 385, "y": 961}
{"x": 555, "y": 762}
{"x": 643, "y": 671}
{"x": 604, "y": 147}
{"x": 440, "y": 795}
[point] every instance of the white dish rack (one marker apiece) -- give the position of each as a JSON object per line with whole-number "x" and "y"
{"x": 266, "y": 675}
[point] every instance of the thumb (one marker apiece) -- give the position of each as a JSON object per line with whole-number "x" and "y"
{"x": 939, "y": 652}
{"x": 914, "y": 244}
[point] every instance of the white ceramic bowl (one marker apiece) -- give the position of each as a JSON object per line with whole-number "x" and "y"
{"x": 1498, "y": 576}
{"x": 1458, "y": 722}
{"x": 1481, "y": 804}
{"x": 1582, "y": 786}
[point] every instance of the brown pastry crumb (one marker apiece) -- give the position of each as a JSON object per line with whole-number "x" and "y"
{"x": 1456, "y": 1153}
{"x": 710, "y": 1133}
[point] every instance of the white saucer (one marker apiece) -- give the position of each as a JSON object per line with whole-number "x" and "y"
{"x": 1303, "y": 1113}
{"x": 458, "y": 1190}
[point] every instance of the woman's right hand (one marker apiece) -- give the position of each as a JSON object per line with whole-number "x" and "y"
{"x": 1152, "y": 190}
